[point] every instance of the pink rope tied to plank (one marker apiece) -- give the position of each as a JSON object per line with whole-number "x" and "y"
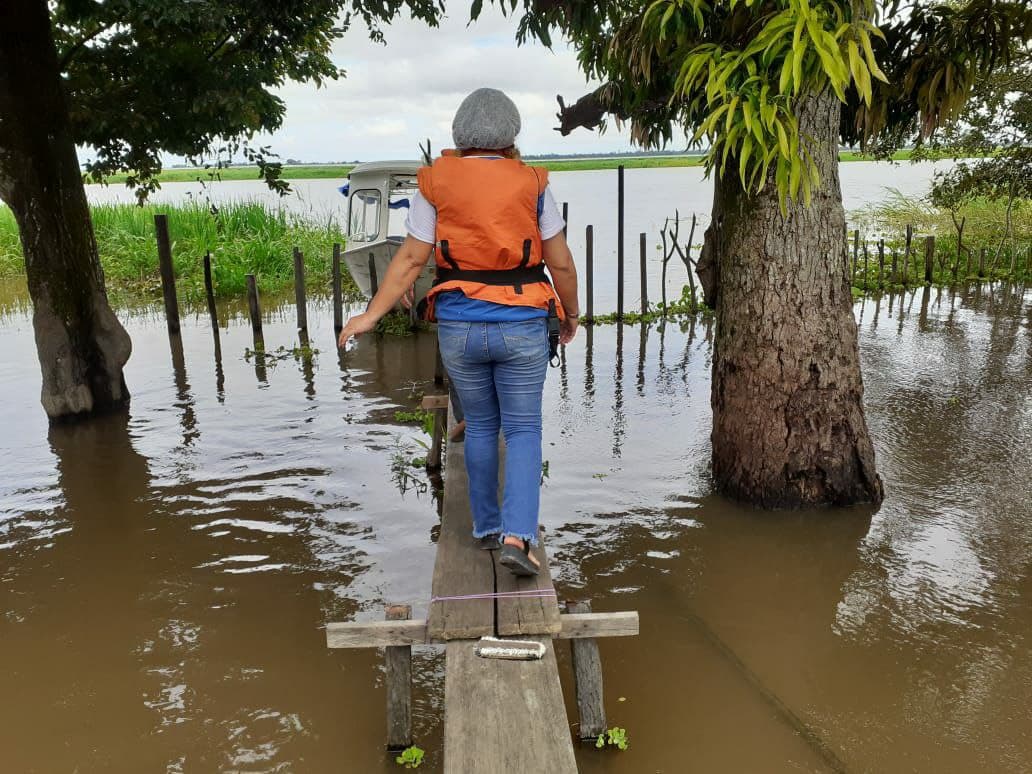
{"x": 527, "y": 594}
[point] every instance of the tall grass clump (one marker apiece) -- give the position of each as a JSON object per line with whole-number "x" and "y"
{"x": 985, "y": 248}
{"x": 244, "y": 238}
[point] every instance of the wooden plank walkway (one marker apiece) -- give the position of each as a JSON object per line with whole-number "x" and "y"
{"x": 504, "y": 716}
{"x": 500, "y": 716}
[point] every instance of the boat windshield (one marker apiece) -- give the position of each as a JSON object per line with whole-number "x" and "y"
{"x": 364, "y": 215}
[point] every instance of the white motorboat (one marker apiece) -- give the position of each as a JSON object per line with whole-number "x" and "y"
{"x": 378, "y": 195}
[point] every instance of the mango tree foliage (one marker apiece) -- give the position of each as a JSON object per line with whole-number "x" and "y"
{"x": 730, "y": 72}
{"x": 196, "y": 78}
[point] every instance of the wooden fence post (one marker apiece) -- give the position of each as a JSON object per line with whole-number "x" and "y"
{"x": 881, "y": 264}
{"x": 398, "y": 659}
{"x": 433, "y": 457}
{"x": 644, "y": 278}
{"x": 255, "y": 309}
{"x": 589, "y": 261}
{"x": 619, "y": 241}
{"x": 893, "y": 275}
{"x": 981, "y": 262}
{"x": 299, "y": 291}
{"x": 906, "y": 256}
{"x": 374, "y": 282}
{"x": 168, "y": 278}
{"x": 587, "y": 674}
{"x": 209, "y": 292}
{"x": 856, "y": 254}
{"x": 866, "y": 262}
{"x": 338, "y": 307}
{"x": 929, "y": 258}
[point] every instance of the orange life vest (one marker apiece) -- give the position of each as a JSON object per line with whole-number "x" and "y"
{"x": 488, "y": 244}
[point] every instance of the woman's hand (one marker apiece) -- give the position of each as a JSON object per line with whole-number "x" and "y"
{"x": 356, "y": 326}
{"x": 568, "y": 329}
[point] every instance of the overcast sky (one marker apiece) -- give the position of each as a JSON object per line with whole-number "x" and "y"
{"x": 396, "y": 95}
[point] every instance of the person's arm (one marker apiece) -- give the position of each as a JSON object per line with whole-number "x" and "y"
{"x": 559, "y": 261}
{"x": 402, "y": 272}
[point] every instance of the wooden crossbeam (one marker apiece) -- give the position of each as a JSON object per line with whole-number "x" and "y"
{"x": 382, "y": 634}
{"x": 434, "y": 402}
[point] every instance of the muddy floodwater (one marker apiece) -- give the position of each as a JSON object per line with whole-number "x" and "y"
{"x": 165, "y": 576}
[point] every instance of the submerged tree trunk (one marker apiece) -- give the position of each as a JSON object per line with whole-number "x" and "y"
{"x": 81, "y": 345}
{"x": 788, "y": 418}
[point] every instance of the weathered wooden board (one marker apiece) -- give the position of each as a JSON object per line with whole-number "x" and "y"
{"x": 527, "y": 615}
{"x": 433, "y": 402}
{"x": 504, "y": 716}
{"x": 461, "y": 568}
{"x": 381, "y": 634}
{"x": 376, "y": 634}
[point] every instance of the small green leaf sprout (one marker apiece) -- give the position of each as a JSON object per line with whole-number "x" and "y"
{"x": 614, "y": 736}
{"x": 410, "y": 758}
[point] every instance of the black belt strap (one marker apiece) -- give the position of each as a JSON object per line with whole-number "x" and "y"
{"x": 527, "y": 275}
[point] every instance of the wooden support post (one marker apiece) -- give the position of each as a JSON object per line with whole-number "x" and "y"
{"x": 566, "y": 217}
{"x": 644, "y": 277}
{"x": 255, "y": 309}
{"x": 299, "y": 291}
{"x": 981, "y": 262}
{"x": 398, "y": 659}
{"x": 168, "y": 278}
{"x": 856, "y": 254}
{"x": 929, "y": 259}
{"x": 589, "y": 264}
{"x": 881, "y": 263}
{"x": 209, "y": 292}
{"x": 893, "y": 274}
{"x": 587, "y": 674}
{"x": 906, "y": 256}
{"x": 438, "y": 367}
{"x": 433, "y": 457}
{"x": 866, "y": 262}
{"x": 374, "y": 282}
{"x": 338, "y": 301}
{"x": 619, "y": 241}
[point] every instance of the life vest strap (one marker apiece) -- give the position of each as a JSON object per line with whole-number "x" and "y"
{"x": 523, "y": 275}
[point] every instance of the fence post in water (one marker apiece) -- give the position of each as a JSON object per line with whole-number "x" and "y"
{"x": 587, "y": 674}
{"x": 856, "y": 254}
{"x": 374, "y": 283}
{"x": 893, "y": 276}
{"x": 644, "y": 278}
{"x": 255, "y": 310}
{"x": 566, "y": 217}
{"x": 906, "y": 256}
{"x": 589, "y": 270}
{"x": 866, "y": 262}
{"x": 981, "y": 262}
{"x": 619, "y": 241}
{"x": 168, "y": 278}
{"x": 209, "y": 292}
{"x": 299, "y": 291}
{"x": 881, "y": 264}
{"x": 398, "y": 660}
{"x": 338, "y": 308}
{"x": 929, "y": 258}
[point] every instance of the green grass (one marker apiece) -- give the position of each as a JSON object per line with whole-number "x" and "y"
{"x": 340, "y": 171}
{"x": 244, "y": 238}
{"x": 984, "y": 227}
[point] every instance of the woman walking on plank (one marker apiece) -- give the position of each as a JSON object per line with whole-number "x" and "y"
{"x": 494, "y": 226}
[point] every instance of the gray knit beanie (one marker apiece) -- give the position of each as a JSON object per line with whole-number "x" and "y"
{"x": 486, "y": 119}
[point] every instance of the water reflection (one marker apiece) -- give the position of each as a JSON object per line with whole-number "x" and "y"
{"x": 170, "y": 583}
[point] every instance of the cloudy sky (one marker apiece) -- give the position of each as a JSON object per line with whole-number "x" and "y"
{"x": 398, "y": 94}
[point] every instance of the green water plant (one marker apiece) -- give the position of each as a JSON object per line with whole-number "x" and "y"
{"x": 410, "y": 758}
{"x": 615, "y": 736}
{"x": 421, "y": 417}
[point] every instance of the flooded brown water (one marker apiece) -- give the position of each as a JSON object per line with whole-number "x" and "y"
{"x": 164, "y": 577}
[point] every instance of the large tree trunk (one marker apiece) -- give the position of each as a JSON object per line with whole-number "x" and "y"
{"x": 788, "y": 417}
{"x": 81, "y": 345}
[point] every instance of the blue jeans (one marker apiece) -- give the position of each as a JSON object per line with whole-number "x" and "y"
{"x": 498, "y": 369}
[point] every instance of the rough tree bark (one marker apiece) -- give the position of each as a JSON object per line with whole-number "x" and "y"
{"x": 81, "y": 345}
{"x": 788, "y": 418}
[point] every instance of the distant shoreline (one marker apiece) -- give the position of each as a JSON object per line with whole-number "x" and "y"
{"x": 340, "y": 171}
